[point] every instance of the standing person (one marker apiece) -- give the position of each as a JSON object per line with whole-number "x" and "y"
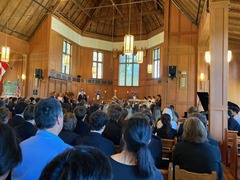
{"x": 135, "y": 161}
{"x": 82, "y": 95}
{"x": 38, "y": 150}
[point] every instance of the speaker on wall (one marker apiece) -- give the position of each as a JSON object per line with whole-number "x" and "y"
{"x": 38, "y": 73}
{"x": 172, "y": 71}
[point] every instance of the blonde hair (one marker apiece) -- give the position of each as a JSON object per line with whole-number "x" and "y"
{"x": 194, "y": 131}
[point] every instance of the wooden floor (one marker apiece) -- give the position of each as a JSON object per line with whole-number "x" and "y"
{"x": 227, "y": 175}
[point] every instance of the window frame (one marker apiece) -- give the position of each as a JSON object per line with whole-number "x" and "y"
{"x": 66, "y": 68}
{"x": 156, "y": 62}
{"x": 98, "y": 64}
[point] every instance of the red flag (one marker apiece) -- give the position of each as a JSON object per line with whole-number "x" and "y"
{"x": 18, "y": 90}
{"x": 3, "y": 68}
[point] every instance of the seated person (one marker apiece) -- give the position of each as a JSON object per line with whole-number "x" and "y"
{"x": 170, "y": 113}
{"x": 10, "y": 151}
{"x": 4, "y": 115}
{"x": 135, "y": 161}
{"x": 27, "y": 128}
{"x": 81, "y": 128}
{"x": 67, "y": 134}
{"x": 194, "y": 153}
{"x": 166, "y": 131}
{"x": 232, "y": 123}
{"x": 94, "y": 138}
{"x": 81, "y": 162}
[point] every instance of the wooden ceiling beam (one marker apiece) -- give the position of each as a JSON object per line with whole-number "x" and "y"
{"x": 80, "y": 6}
{"x": 132, "y": 15}
{"x": 89, "y": 20}
{"x": 114, "y": 5}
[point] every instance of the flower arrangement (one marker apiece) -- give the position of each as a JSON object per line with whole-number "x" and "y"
{"x": 134, "y": 93}
{"x": 98, "y": 91}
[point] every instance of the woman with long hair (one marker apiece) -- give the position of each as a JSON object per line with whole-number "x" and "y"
{"x": 135, "y": 161}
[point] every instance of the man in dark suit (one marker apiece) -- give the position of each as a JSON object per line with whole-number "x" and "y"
{"x": 82, "y": 95}
{"x": 94, "y": 138}
{"x": 81, "y": 128}
{"x": 18, "y": 118}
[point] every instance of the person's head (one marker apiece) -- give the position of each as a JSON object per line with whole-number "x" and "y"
{"x": 98, "y": 120}
{"x": 20, "y": 107}
{"x": 201, "y": 117}
{"x": 28, "y": 112}
{"x": 168, "y": 111}
{"x": 137, "y": 135}
{"x": 69, "y": 121}
{"x": 159, "y": 96}
{"x": 4, "y": 115}
{"x": 166, "y": 120}
{"x": 10, "y": 151}
{"x": 80, "y": 112}
{"x": 2, "y": 103}
{"x": 234, "y": 110}
{"x": 80, "y": 162}
{"x": 229, "y": 113}
{"x": 194, "y": 131}
{"x": 48, "y": 114}
{"x": 114, "y": 112}
{"x": 192, "y": 109}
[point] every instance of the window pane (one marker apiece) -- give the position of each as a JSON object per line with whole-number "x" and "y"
{"x": 64, "y": 46}
{"x": 67, "y": 69}
{"x": 122, "y": 58}
{"x": 68, "y": 49}
{"x": 129, "y": 75}
{"x": 100, "y": 57}
{"x": 94, "y": 56}
{"x": 136, "y": 75}
{"x": 121, "y": 78}
{"x": 99, "y": 70}
{"x": 155, "y": 69}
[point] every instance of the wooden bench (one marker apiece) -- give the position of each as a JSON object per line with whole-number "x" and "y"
{"x": 234, "y": 155}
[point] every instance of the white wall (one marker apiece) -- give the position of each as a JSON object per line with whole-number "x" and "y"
{"x": 72, "y": 35}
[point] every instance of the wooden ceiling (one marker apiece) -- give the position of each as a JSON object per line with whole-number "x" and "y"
{"x": 105, "y": 18}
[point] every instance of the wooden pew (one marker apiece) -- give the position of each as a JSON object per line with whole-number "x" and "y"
{"x": 234, "y": 155}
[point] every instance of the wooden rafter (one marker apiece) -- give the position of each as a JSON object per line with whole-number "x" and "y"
{"x": 80, "y": 6}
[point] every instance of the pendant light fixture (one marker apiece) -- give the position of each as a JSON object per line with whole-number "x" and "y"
{"x": 140, "y": 52}
{"x": 128, "y": 38}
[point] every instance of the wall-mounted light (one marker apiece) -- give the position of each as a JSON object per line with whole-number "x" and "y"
{"x": 201, "y": 76}
{"x": 229, "y": 55}
{"x": 208, "y": 57}
{"x": 149, "y": 68}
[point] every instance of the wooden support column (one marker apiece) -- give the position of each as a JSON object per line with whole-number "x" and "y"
{"x": 218, "y": 68}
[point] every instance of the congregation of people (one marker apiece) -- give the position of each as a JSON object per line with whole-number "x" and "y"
{"x": 56, "y": 138}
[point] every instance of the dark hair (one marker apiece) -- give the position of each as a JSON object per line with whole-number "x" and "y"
{"x": 201, "y": 117}
{"x": 137, "y": 135}
{"x": 4, "y": 114}
{"x": 80, "y": 112}
{"x": 28, "y": 112}
{"x": 234, "y": 109}
{"x": 166, "y": 122}
{"x": 98, "y": 119}
{"x": 80, "y": 162}
{"x": 229, "y": 113}
{"x": 2, "y": 103}
{"x": 20, "y": 107}
{"x": 10, "y": 151}
{"x": 114, "y": 112}
{"x": 46, "y": 112}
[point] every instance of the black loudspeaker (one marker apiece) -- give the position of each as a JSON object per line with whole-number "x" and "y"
{"x": 38, "y": 73}
{"x": 172, "y": 71}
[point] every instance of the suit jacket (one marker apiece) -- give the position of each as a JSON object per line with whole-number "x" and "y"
{"x": 25, "y": 130}
{"x": 82, "y": 128}
{"x": 68, "y": 137}
{"x": 113, "y": 132}
{"x": 97, "y": 140}
{"x": 16, "y": 121}
{"x": 161, "y": 133}
{"x": 155, "y": 147}
{"x": 198, "y": 157}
